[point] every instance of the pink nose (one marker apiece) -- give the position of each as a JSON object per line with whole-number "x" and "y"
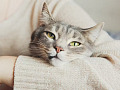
{"x": 58, "y": 49}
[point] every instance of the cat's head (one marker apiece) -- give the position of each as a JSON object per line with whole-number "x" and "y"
{"x": 60, "y": 43}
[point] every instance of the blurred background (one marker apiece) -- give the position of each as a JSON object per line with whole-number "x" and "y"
{"x": 107, "y": 11}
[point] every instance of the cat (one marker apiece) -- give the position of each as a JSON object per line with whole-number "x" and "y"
{"x": 60, "y": 43}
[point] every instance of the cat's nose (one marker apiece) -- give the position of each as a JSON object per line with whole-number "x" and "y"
{"x": 58, "y": 49}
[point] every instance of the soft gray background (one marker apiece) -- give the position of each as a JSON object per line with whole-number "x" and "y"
{"x": 107, "y": 11}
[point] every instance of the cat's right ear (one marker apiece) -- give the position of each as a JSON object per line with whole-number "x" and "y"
{"x": 93, "y": 32}
{"x": 45, "y": 17}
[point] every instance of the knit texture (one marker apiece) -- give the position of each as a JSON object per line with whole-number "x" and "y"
{"x": 101, "y": 72}
{"x": 91, "y": 73}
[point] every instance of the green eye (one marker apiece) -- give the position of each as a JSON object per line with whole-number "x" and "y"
{"x": 50, "y": 35}
{"x": 74, "y": 43}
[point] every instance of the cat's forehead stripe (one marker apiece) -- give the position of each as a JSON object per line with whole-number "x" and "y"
{"x": 57, "y": 28}
{"x": 60, "y": 28}
{"x": 66, "y": 29}
{"x": 69, "y": 30}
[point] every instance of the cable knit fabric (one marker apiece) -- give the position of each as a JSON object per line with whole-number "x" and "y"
{"x": 100, "y": 72}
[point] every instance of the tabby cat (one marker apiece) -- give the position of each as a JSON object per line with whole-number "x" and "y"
{"x": 60, "y": 43}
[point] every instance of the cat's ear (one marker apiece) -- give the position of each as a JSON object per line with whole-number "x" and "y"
{"x": 93, "y": 32}
{"x": 45, "y": 17}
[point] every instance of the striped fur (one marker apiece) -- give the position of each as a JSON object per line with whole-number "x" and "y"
{"x": 44, "y": 47}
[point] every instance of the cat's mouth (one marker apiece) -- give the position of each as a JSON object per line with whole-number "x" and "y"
{"x": 50, "y": 57}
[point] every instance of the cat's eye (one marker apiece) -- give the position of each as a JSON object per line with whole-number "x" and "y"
{"x": 74, "y": 43}
{"x": 50, "y": 35}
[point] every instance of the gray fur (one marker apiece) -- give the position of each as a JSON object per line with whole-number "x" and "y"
{"x": 44, "y": 47}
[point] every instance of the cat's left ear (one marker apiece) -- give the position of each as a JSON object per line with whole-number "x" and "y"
{"x": 45, "y": 17}
{"x": 93, "y": 32}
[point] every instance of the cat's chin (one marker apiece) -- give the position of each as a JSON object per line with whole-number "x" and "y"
{"x": 57, "y": 62}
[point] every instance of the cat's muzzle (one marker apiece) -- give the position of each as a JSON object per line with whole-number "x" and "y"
{"x": 50, "y": 57}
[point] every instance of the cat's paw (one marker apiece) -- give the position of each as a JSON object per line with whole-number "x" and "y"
{"x": 56, "y": 62}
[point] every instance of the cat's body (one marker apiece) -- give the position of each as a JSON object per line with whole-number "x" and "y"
{"x": 60, "y": 43}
